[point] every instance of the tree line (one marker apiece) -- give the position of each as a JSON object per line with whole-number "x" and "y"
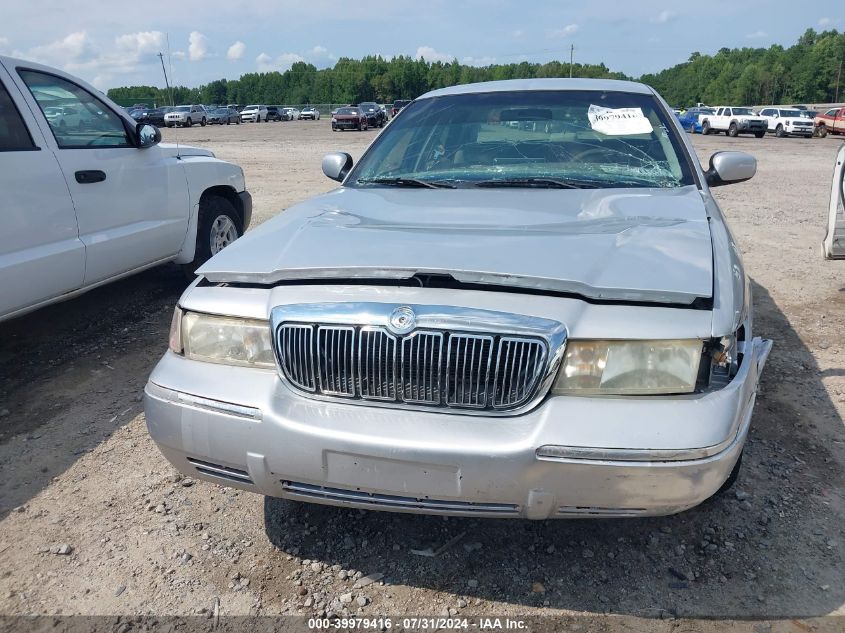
{"x": 810, "y": 71}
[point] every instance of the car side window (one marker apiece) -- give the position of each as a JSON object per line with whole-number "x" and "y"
{"x": 14, "y": 136}
{"x": 77, "y": 118}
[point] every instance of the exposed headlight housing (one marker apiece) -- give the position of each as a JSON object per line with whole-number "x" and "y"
{"x": 606, "y": 367}
{"x": 224, "y": 340}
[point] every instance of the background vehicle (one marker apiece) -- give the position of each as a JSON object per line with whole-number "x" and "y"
{"x": 833, "y": 245}
{"x": 309, "y": 112}
{"x": 831, "y": 122}
{"x": 186, "y": 116}
{"x": 349, "y": 118}
{"x": 376, "y": 117}
{"x": 398, "y": 105}
{"x": 102, "y": 199}
{"x": 62, "y": 116}
{"x": 691, "y": 119}
{"x": 153, "y": 117}
{"x": 734, "y": 121}
{"x": 237, "y": 107}
{"x": 254, "y": 114}
{"x": 787, "y": 122}
{"x": 274, "y": 113}
{"x": 223, "y": 116}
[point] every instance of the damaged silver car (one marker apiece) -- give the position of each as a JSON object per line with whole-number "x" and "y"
{"x": 522, "y": 301}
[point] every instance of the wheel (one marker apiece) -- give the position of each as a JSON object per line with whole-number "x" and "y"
{"x": 360, "y": 126}
{"x": 760, "y": 134}
{"x": 203, "y": 122}
{"x": 821, "y": 131}
{"x": 733, "y": 130}
{"x": 228, "y": 122}
{"x": 705, "y": 128}
{"x": 217, "y": 227}
{"x": 189, "y": 123}
{"x": 779, "y": 131}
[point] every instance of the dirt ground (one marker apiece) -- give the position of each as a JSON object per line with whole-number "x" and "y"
{"x": 93, "y": 521}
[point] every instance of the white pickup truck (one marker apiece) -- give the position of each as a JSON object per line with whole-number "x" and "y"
{"x": 734, "y": 121}
{"x": 99, "y": 197}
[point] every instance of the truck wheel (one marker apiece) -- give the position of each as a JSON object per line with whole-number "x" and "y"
{"x": 733, "y": 130}
{"x": 821, "y": 131}
{"x": 760, "y": 134}
{"x": 218, "y": 226}
{"x": 203, "y": 122}
{"x": 705, "y": 128}
{"x": 779, "y": 131}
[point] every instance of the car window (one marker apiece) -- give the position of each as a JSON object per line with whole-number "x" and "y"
{"x": 92, "y": 124}
{"x": 591, "y": 138}
{"x": 13, "y": 133}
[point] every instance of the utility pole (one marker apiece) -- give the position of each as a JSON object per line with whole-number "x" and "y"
{"x": 838, "y": 77}
{"x": 166, "y": 82}
{"x": 572, "y": 54}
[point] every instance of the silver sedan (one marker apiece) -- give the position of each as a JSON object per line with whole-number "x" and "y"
{"x": 523, "y": 301}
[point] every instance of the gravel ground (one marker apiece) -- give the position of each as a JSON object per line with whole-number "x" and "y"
{"x": 93, "y": 521}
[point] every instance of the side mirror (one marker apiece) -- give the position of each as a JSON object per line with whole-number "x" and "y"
{"x": 337, "y": 165}
{"x": 148, "y": 135}
{"x": 727, "y": 168}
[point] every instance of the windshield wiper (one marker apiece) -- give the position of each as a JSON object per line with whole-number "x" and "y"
{"x": 550, "y": 183}
{"x": 407, "y": 182}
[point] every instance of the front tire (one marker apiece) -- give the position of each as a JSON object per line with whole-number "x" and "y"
{"x": 760, "y": 134}
{"x": 733, "y": 130}
{"x": 705, "y": 128}
{"x": 217, "y": 227}
{"x": 189, "y": 123}
{"x": 779, "y": 131}
{"x": 821, "y": 131}
{"x": 203, "y": 122}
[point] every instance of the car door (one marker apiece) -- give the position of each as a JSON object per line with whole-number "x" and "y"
{"x": 41, "y": 255}
{"x": 833, "y": 245}
{"x": 131, "y": 204}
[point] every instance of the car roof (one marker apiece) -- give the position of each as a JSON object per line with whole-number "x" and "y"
{"x": 520, "y": 85}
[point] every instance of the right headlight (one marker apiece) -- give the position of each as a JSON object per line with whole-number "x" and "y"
{"x": 219, "y": 339}
{"x": 606, "y": 367}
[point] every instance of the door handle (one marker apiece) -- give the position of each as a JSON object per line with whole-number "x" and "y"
{"x": 87, "y": 176}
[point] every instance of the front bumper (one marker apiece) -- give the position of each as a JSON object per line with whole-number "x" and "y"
{"x": 245, "y": 428}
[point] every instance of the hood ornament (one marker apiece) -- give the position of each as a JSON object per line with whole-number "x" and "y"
{"x": 402, "y": 320}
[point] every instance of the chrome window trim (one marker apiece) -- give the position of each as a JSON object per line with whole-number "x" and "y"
{"x": 428, "y": 317}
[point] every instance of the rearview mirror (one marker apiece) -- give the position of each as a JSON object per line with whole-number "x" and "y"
{"x": 727, "y": 168}
{"x": 337, "y": 165}
{"x": 148, "y": 135}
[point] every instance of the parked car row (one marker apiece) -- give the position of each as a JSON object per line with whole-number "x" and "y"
{"x": 782, "y": 122}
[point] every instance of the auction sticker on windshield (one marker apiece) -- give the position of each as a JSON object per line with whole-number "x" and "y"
{"x": 618, "y": 121}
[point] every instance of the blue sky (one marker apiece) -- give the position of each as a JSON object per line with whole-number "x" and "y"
{"x": 112, "y": 44}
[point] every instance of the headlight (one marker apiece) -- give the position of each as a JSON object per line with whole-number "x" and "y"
{"x": 226, "y": 340}
{"x": 629, "y": 367}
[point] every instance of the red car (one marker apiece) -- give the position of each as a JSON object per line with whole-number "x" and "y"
{"x": 349, "y": 118}
{"x": 831, "y": 122}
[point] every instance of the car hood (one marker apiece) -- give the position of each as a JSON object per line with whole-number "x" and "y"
{"x": 172, "y": 150}
{"x": 613, "y": 244}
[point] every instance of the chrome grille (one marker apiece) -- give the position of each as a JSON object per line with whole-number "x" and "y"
{"x": 424, "y": 367}
{"x": 513, "y": 384}
{"x": 377, "y": 364}
{"x": 420, "y": 374}
{"x": 336, "y": 359}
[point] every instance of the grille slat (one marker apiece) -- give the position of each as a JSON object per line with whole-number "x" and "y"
{"x": 424, "y": 367}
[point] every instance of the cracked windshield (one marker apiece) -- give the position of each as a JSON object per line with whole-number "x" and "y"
{"x": 563, "y": 139}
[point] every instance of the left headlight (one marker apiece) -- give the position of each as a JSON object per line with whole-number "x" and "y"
{"x": 629, "y": 367}
{"x": 225, "y": 340}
